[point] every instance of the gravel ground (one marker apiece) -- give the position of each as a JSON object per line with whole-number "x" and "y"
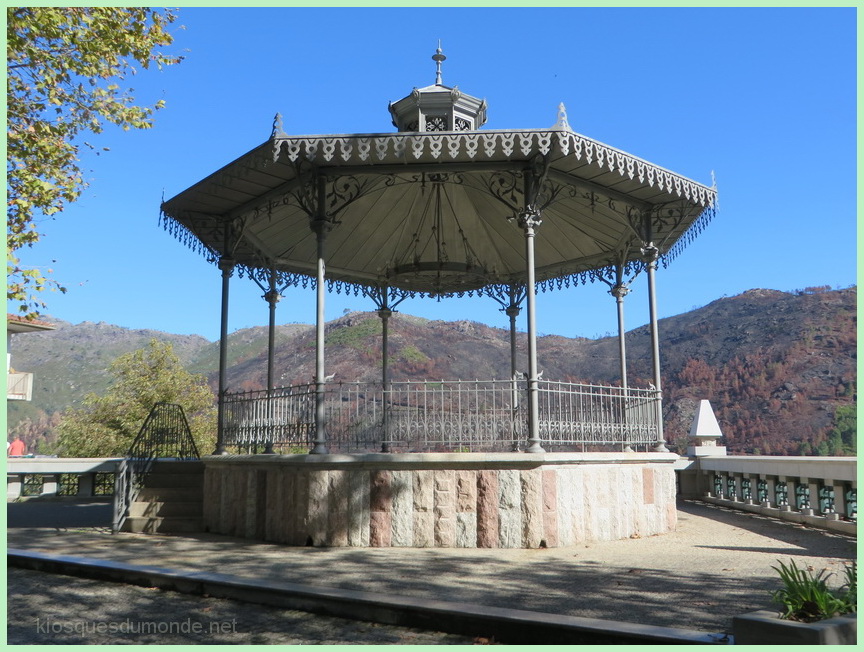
{"x": 48, "y": 609}
{"x": 717, "y": 564}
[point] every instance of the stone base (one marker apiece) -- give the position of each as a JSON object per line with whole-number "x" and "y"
{"x": 767, "y": 628}
{"x": 468, "y": 500}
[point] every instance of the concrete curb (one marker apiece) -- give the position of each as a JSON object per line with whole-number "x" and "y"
{"x": 511, "y": 626}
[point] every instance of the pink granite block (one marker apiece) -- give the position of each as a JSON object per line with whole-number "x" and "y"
{"x": 532, "y": 508}
{"x": 648, "y": 486}
{"x": 380, "y": 529}
{"x": 550, "y": 529}
{"x": 487, "y": 509}
{"x": 381, "y": 497}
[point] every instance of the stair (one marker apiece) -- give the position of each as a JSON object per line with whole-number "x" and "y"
{"x": 171, "y": 500}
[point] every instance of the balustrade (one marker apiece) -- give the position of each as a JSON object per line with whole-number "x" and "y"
{"x": 805, "y": 489}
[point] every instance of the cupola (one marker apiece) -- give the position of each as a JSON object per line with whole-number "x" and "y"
{"x": 438, "y": 107}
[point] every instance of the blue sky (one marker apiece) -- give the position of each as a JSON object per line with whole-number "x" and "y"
{"x": 764, "y": 98}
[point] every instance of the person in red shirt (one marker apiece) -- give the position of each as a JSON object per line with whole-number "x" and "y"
{"x": 16, "y": 448}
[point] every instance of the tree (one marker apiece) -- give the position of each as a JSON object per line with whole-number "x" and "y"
{"x": 65, "y": 66}
{"x": 844, "y": 434}
{"x": 107, "y": 425}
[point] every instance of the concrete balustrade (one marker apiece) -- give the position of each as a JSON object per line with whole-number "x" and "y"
{"x": 817, "y": 491}
{"x": 51, "y": 468}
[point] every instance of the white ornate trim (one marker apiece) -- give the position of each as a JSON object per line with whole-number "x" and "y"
{"x": 491, "y": 145}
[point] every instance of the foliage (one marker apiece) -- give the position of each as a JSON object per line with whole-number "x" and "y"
{"x": 412, "y": 354}
{"x": 65, "y": 67}
{"x": 843, "y": 436}
{"x": 850, "y": 588}
{"x": 355, "y": 336}
{"x": 106, "y": 425}
{"x": 805, "y": 597}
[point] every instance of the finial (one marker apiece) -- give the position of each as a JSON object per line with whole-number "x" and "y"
{"x": 438, "y": 57}
{"x": 278, "y": 131}
{"x": 562, "y": 118}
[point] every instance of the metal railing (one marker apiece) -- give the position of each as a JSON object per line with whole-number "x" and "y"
{"x": 164, "y": 435}
{"x": 460, "y": 416}
{"x": 574, "y": 414}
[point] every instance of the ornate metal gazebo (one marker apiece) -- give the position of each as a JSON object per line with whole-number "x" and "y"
{"x": 440, "y": 208}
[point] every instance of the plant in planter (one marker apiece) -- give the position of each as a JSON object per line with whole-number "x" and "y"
{"x": 812, "y": 613}
{"x": 806, "y": 598}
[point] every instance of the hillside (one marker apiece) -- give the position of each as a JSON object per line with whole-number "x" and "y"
{"x": 776, "y": 366}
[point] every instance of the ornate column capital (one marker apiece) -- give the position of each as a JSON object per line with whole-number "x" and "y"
{"x": 512, "y": 311}
{"x": 619, "y": 291}
{"x": 226, "y": 265}
{"x": 650, "y": 253}
{"x": 529, "y": 218}
{"x": 321, "y": 226}
{"x": 272, "y": 297}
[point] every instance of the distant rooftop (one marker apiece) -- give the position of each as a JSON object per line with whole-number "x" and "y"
{"x": 19, "y": 324}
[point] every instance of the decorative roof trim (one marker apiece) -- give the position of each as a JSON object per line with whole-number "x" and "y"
{"x": 490, "y": 145}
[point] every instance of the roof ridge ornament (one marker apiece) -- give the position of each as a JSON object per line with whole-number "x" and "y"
{"x": 438, "y": 57}
{"x": 562, "y": 119}
{"x": 278, "y": 131}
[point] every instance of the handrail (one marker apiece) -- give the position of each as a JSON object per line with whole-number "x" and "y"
{"x": 164, "y": 435}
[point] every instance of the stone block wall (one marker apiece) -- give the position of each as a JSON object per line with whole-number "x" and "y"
{"x": 441, "y": 500}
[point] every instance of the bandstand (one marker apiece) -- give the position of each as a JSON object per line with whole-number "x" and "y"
{"x": 440, "y": 208}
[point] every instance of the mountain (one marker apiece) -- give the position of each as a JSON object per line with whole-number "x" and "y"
{"x": 776, "y": 366}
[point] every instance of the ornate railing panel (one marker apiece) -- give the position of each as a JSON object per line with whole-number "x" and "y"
{"x": 454, "y": 415}
{"x": 441, "y": 416}
{"x": 574, "y": 414}
{"x": 283, "y": 416}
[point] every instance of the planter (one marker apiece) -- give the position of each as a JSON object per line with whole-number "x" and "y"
{"x": 767, "y": 628}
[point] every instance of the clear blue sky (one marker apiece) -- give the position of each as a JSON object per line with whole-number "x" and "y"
{"x": 764, "y": 98}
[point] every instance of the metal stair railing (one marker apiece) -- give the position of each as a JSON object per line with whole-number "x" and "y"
{"x": 164, "y": 435}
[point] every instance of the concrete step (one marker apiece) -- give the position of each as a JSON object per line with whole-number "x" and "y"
{"x": 162, "y": 524}
{"x": 191, "y": 466}
{"x": 162, "y": 479}
{"x": 192, "y": 509}
{"x": 170, "y": 494}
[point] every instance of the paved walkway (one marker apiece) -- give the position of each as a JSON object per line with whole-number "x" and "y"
{"x": 716, "y": 565}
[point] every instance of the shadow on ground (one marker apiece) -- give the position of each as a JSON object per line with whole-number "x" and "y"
{"x": 75, "y": 513}
{"x": 716, "y": 566}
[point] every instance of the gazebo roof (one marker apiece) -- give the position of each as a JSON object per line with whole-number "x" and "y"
{"x": 434, "y": 212}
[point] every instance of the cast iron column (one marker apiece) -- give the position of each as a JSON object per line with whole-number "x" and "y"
{"x": 620, "y": 291}
{"x": 320, "y": 226}
{"x": 512, "y": 311}
{"x": 529, "y": 220}
{"x": 272, "y": 297}
{"x": 651, "y": 254}
{"x": 385, "y": 313}
{"x": 226, "y": 265}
